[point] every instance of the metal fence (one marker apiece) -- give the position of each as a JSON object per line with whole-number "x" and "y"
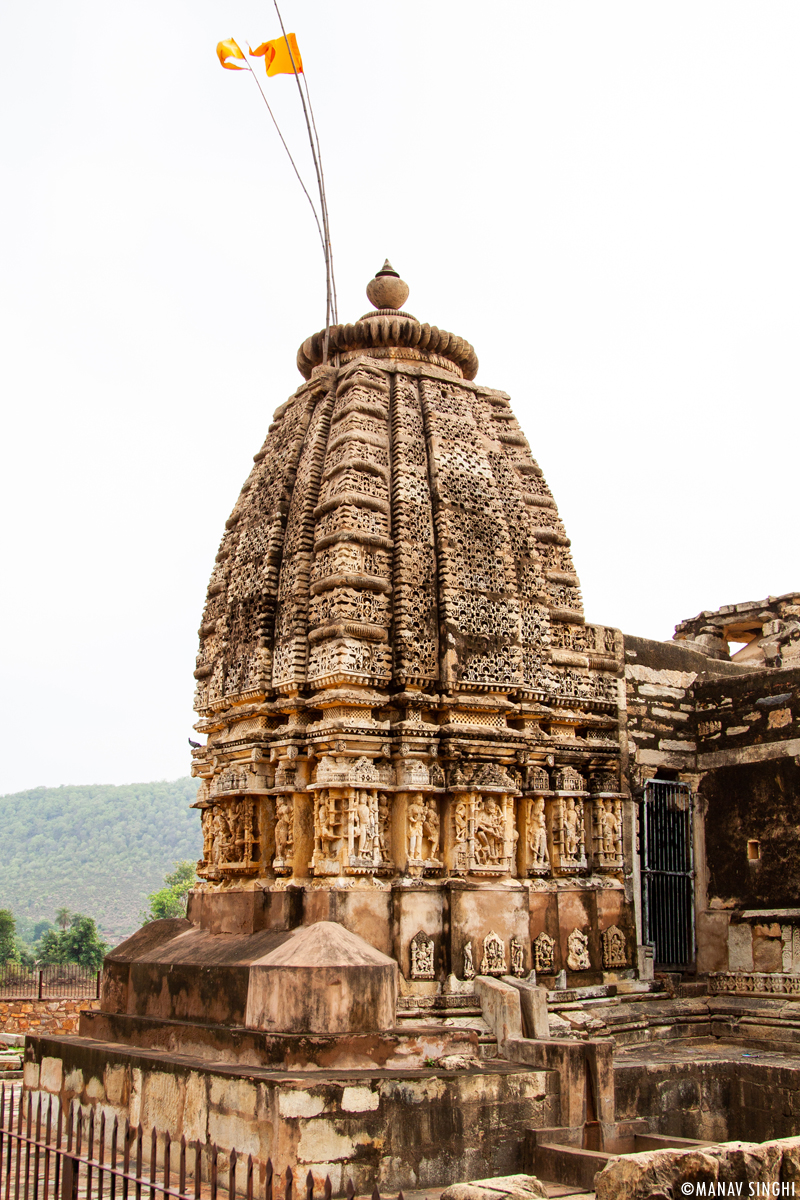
{"x": 46, "y": 1154}
{"x": 61, "y": 981}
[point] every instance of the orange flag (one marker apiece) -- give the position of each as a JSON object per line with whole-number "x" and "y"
{"x": 230, "y": 49}
{"x": 277, "y": 58}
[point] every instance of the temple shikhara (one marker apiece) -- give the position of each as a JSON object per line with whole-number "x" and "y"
{"x": 411, "y": 727}
{"x": 486, "y": 887}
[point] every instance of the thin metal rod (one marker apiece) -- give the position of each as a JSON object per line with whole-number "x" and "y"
{"x": 291, "y": 160}
{"x": 318, "y": 169}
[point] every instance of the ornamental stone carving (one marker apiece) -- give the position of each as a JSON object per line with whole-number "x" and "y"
{"x": 494, "y": 955}
{"x": 517, "y": 957}
{"x": 608, "y": 834}
{"x": 469, "y": 964}
{"x": 539, "y": 863}
{"x": 543, "y": 950}
{"x": 570, "y": 835}
{"x": 615, "y": 950}
{"x": 578, "y": 951}
{"x": 422, "y": 965}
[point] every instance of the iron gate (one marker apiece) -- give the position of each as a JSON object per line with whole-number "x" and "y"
{"x": 668, "y": 872}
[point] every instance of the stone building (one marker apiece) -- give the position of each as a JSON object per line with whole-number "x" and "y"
{"x": 410, "y": 726}
{"x": 726, "y": 727}
{"x": 450, "y": 827}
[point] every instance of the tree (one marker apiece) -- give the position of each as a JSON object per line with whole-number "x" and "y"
{"x": 40, "y": 929}
{"x": 171, "y": 899}
{"x": 79, "y": 944}
{"x": 82, "y": 944}
{"x": 8, "y": 941}
{"x": 63, "y": 917}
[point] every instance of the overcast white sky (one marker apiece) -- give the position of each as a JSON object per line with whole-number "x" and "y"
{"x": 602, "y": 196}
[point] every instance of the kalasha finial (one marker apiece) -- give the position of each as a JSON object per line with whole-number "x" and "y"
{"x": 387, "y": 289}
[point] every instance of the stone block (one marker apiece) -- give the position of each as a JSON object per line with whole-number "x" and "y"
{"x": 323, "y": 979}
{"x": 740, "y": 948}
{"x": 51, "y": 1075}
{"x": 500, "y": 1006}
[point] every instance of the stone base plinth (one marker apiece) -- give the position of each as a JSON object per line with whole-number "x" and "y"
{"x": 395, "y": 1049}
{"x": 397, "y": 1129}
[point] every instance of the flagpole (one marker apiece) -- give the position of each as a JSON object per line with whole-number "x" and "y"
{"x": 324, "y": 195}
{"x": 323, "y": 206}
{"x": 291, "y": 160}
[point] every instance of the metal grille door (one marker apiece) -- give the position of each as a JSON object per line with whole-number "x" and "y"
{"x": 668, "y": 872}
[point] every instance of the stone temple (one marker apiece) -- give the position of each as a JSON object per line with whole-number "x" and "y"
{"x": 450, "y": 827}
{"x": 411, "y": 728}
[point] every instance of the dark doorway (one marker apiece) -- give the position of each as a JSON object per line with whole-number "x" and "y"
{"x": 668, "y": 873}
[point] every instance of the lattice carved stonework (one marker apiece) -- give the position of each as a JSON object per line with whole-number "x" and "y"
{"x": 416, "y": 629}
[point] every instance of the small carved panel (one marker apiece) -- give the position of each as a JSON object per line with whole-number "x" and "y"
{"x": 615, "y": 949}
{"x": 517, "y": 958}
{"x": 543, "y": 949}
{"x": 494, "y": 955}
{"x": 578, "y": 951}
{"x": 421, "y": 950}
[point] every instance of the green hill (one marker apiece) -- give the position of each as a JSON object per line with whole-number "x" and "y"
{"x": 94, "y": 849}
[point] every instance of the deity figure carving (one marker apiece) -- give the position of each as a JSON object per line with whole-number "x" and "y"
{"x": 537, "y": 837}
{"x": 229, "y": 839}
{"x": 424, "y": 830}
{"x": 422, "y": 956}
{"x": 490, "y": 830}
{"x": 436, "y": 775}
{"x": 469, "y": 963}
{"x": 415, "y": 820}
{"x": 578, "y": 951}
{"x": 383, "y": 825}
{"x": 494, "y": 955}
{"x": 431, "y": 826}
{"x": 327, "y": 830}
{"x": 207, "y": 822}
{"x": 543, "y": 949}
{"x": 517, "y": 958}
{"x": 460, "y": 835}
{"x": 284, "y": 831}
{"x": 571, "y": 835}
{"x": 615, "y": 950}
{"x": 363, "y": 824}
{"x": 608, "y": 833}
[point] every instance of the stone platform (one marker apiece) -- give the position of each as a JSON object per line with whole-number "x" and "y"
{"x": 397, "y": 1128}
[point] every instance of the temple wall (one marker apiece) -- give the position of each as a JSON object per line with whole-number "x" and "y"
{"x": 733, "y": 733}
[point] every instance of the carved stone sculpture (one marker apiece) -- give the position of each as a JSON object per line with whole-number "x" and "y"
{"x": 571, "y": 835}
{"x": 543, "y": 948}
{"x": 422, "y": 956}
{"x": 469, "y": 964}
{"x": 517, "y": 958}
{"x": 615, "y": 950}
{"x": 430, "y": 827}
{"x": 284, "y": 832}
{"x": 494, "y": 955}
{"x": 608, "y": 834}
{"x": 537, "y": 838}
{"x": 578, "y": 951}
{"x": 415, "y": 820}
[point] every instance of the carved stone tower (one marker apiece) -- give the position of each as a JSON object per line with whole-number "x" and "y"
{"x": 411, "y": 729}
